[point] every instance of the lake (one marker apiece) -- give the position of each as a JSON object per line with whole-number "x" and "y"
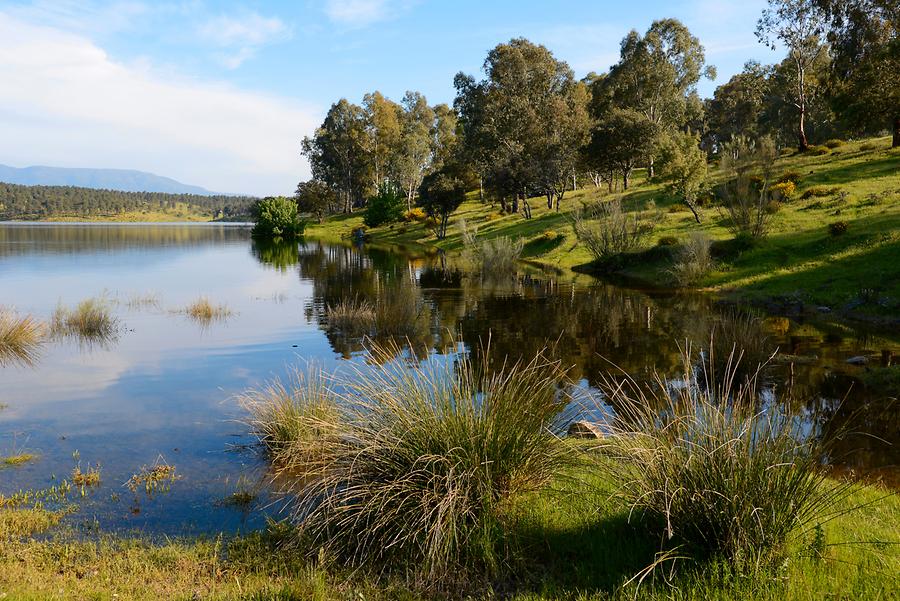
{"x": 163, "y": 388}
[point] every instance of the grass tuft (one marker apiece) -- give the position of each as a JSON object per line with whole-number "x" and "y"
{"x": 17, "y": 459}
{"x": 715, "y": 474}
{"x": 351, "y": 317}
{"x": 205, "y": 312}
{"x": 90, "y": 321}
{"x": 20, "y": 338}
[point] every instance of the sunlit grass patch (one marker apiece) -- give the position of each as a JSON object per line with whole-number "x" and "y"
{"x": 15, "y": 523}
{"x": 20, "y": 338}
{"x": 205, "y": 312}
{"x": 91, "y": 321}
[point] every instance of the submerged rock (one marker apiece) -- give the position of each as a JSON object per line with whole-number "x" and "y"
{"x": 584, "y": 429}
{"x": 858, "y": 360}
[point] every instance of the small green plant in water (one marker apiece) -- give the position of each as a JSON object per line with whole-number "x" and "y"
{"x": 157, "y": 478}
{"x": 90, "y": 321}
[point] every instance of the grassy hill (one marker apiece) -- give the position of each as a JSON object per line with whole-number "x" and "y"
{"x": 800, "y": 261}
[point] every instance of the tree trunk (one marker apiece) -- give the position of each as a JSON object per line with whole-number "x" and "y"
{"x": 650, "y": 172}
{"x": 896, "y": 141}
{"x": 549, "y": 196}
{"x": 625, "y": 174}
{"x": 515, "y": 204}
{"x": 802, "y": 143}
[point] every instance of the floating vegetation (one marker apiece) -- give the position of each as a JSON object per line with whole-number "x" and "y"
{"x": 20, "y": 338}
{"x": 205, "y": 312}
{"x": 157, "y": 478}
{"x": 91, "y": 322}
{"x": 17, "y": 459}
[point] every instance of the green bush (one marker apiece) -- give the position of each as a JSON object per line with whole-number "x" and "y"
{"x": 834, "y": 143}
{"x": 277, "y": 217}
{"x": 667, "y": 241}
{"x": 385, "y": 207}
{"x": 870, "y": 146}
{"x": 820, "y": 192}
{"x": 693, "y": 261}
{"x": 789, "y": 176}
{"x": 838, "y": 228}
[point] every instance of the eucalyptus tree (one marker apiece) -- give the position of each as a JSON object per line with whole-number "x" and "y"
{"x": 657, "y": 76}
{"x": 737, "y": 105}
{"x": 525, "y": 111}
{"x": 317, "y": 198}
{"x": 864, "y": 38}
{"x": 799, "y": 25}
{"x": 338, "y": 153}
{"x": 441, "y": 193}
{"x": 684, "y": 167}
{"x": 444, "y": 140}
{"x": 384, "y": 129}
{"x": 620, "y": 142}
{"x": 415, "y": 146}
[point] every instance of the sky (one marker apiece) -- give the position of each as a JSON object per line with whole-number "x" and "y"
{"x": 219, "y": 94}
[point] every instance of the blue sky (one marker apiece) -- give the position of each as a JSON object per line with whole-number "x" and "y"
{"x": 219, "y": 94}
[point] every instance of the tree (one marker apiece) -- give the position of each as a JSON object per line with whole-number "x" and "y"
{"x": 383, "y": 129}
{"x": 440, "y": 194}
{"x": 656, "y": 75}
{"x": 684, "y": 167}
{"x": 338, "y": 153}
{"x": 798, "y": 24}
{"x": 444, "y": 139}
{"x": 276, "y": 217}
{"x": 738, "y": 104}
{"x": 316, "y": 197}
{"x": 620, "y": 142}
{"x": 414, "y": 156}
{"x": 385, "y": 207}
{"x": 511, "y": 118}
{"x": 864, "y": 36}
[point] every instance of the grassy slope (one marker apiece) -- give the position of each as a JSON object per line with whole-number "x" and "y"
{"x": 578, "y": 538}
{"x": 799, "y": 259}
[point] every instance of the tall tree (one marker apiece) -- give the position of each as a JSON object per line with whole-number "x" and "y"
{"x": 444, "y": 141}
{"x": 414, "y": 155}
{"x": 738, "y": 104}
{"x": 620, "y": 142}
{"x": 317, "y": 198}
{"x": 798, "y": 24}
{"x": 383, "y": 126}
{"x": 338, "y": 153}
{"x": 684, "y": 168}
{"x": 657, "y": 75}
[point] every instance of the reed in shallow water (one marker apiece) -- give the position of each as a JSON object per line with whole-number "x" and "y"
{"x": 20, "y": 338}
{"x": 91, "y": 321}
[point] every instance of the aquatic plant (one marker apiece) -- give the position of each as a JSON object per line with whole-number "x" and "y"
{"x": 401, "y": 312}
{"x": 204, "y": 311}
{"x": 713, "y": 473}
{"x": 17, "y": 459}
{"x": 158, "y": 477}
{"x": 87, "y": 478}
{"x": 351, "y": 316}
{"x": 20, "y": 338}
{"x": 693, "y": 260}
{"x": 90, "y": 321}
{"x": 491, "y": 256}
{"x": 413, "y": 465}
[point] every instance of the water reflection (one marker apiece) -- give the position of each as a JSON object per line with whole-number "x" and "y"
{"x": 165, "y": 389}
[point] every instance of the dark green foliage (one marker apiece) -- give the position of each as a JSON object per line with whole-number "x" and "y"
{"x": 837, "y": 228}
{"x": 317, "y": 198}
{"x": 40, "y": 202}
{"x": 385, "y": 207}
{"x": 834, "y": 143}
{"x": 276, "y": 217}
{"x": 440, "y": 194}
{"x": 818, "y": 151}
{"x": 789, "y": 176}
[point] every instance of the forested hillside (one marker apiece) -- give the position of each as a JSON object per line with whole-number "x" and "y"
{"x": 48, "y": 202}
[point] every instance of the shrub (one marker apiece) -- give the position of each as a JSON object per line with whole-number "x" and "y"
{"x": 714, "y": 474}
{"x": 746, "y": 196}
{"x": 384, "y": 207}
{"x": 870, "y": 146}
{"x": 820, "y": 192}
{"x": 837, "y": 228}
{"x": 784, "y": 190}
{"x": 613, "y": 232}
{"x": 834, "y": 143}
{"x": 818, "y": 150}
{"x": 441, "y": 193}
{"x": 20, "y": 338}
{"x": 550, "y": 235}
{"x": 667, "y": 241}
{"x": 277, "y": 217}
{"x": 773, "y": 207}
{"x": 415, "y": 214}
{"x": 413, "y": 472}
{"x": 693, "y": 261}
{"x": 789, "y": 176}
{"x": 492, "y": 216}
{"x": 495, "y": 256}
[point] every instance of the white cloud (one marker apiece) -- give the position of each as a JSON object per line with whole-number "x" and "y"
{"x": 240, "y": 36}
{"x": 82, "y": 15}
{"x": 362, "y": 13}
{"x": 65, "y": 102}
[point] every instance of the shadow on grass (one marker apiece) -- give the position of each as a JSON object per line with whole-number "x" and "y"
{"x": 855, "y": 171}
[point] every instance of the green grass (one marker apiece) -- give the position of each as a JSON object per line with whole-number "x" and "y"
{"x": 578, "y": 535}
{"x": 799, "y": 259}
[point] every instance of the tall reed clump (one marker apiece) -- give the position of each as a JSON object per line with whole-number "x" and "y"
{"x": 693, "y": 260}
{"x": 351, "y": 317}
{"x": 204, "y": 311}
{"x": 716, "y": 475}
{"x": 495, "y": 256}
{"x": 400, "y": 311}
{"x": 606, "y": 229}
{"x": 91, "y": 320}
{"x": 20, "y": 338}
{"x": 413, "y": 465}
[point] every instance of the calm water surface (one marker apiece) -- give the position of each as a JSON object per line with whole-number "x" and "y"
{"x": 164, "y": 388}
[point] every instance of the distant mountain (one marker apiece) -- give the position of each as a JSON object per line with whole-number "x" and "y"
{"x": 126, "y": 180}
